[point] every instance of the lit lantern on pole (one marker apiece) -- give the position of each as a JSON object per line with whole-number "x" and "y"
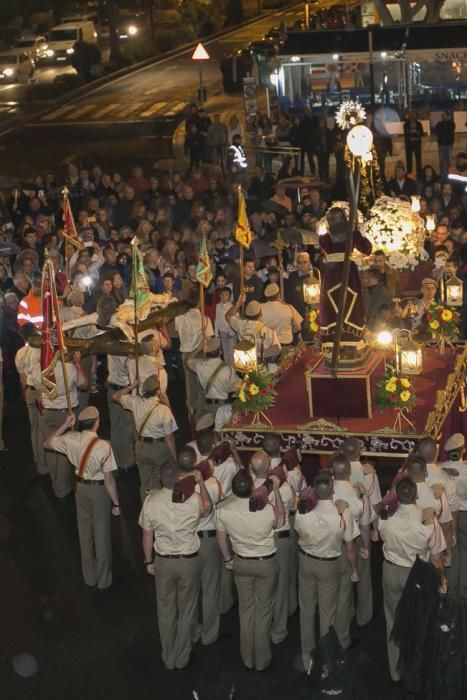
{"x": 360, "y": 141}
{"x": 415, "y": 204}
{"x": 454, "y": 289}
{"x": 410, "y": 356}
{"x": 430, "y": 223}
{"x": 245, "y": 357}
{"x": 311, "y": 290}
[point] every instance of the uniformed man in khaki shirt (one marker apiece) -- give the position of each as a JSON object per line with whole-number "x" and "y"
{"x": 170, "y": 533}
{"x": 321, "y": 533}
{"x": 260, "y": 465}
{"x": 155, "y": 428}
{"x": 55, "y": 410}
{"x": 405, "y": 537}
{"x": 254, "y": 564}
{"x": 215, "y": 378}
{"x": 96, "y": 492}
{"x": 282, "y": 318}
{"x": 121, "y": 425}
{"x": 252, "y": 325}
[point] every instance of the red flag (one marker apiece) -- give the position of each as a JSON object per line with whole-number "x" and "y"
{"x": 69, "y": 226}
{"x": 52, "y": 342}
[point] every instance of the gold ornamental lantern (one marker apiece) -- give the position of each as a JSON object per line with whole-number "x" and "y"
{"x": 454, "y": 291}
{"x": 245, "y": 358}
{"x": 415, "y": 204}
{"x": 430, "y": 223}
{"x": 311, "y": 290}
{"x": 409, "y": 356}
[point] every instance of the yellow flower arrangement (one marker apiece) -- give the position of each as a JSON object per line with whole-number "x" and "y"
{"x": 254, "y": 389}
{"x": 391, "y": 385}
{"x": 446, "y": 315}
{"x": 405, "y": 396}
{"x": 405, "y": 383}
{"x": 313, "y": 327}
{"x": 313, "y": 315}
{"x": 394, "y": 392}
{"x": 241, "y": 396}
{"x": 434, "y": 325}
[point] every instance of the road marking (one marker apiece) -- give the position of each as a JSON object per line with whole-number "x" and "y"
{"x": 79, "y": 112}
{"x": 57, "y": 112}
{"x": 129, "y": 109}
{"x": 104, "y": 110}
{"x": 176, "y": 109}
{"x": 156, "y": 107}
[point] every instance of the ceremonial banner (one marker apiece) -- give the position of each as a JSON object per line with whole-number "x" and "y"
{"x": 243, "y": 234}
{"x": 139, "y": 292}
{"x": 69, "y": 227}
{"x": 52, "y": 341}
{"x": 203, "y": 271}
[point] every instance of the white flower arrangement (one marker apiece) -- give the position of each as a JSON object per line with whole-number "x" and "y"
{"x": 349, "y": 114}
{"x": 394, "y": 228}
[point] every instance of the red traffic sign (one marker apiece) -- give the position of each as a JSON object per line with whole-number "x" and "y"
{"x": 200, "y": 53}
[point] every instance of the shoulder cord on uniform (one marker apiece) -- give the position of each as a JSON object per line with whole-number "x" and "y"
{"x": 435, "y": 534}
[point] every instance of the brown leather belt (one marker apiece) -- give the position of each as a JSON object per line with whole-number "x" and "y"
{"x": 268, "y": 556}
{"x": 177, "y": 556}
{"x": 312, "y": 556}
{"x": 90, "y": 482}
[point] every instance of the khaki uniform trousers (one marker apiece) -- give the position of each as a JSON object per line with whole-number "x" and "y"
{"x": 37, "y": 431}
{"x": 318, "y": 585}
{"x": 58, "y": 466}
{"x": 256, "y": 582}
{"x": 150, "y": 456}
{"x": 293, "y": 598}
{"x": 457, "y": 573}
{"x": 121, "y": 432}
{"x": 346, "y": 603}
{"x": 394, "y": 580}
{"x": 192, "y": 386}
{"x": 280, "y": 613}
{"x": 177, "y": 589}
{"x": 93, "y": 511}
{"x": 211, "y": 585}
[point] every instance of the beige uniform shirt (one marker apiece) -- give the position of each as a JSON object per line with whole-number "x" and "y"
{"x": 60, "y": 402}
{"x": 26, "y": 359}
{"x": 148, "y": 366}
{"x": 288, "y": 499}
{"x": 282, "y": 318}
{"x": 117, "y": 366}
{"x": 362, "y": 511}
{"x": 161, "y": 421}
{"x": 370, "y": 482}
{"x": 460, "y": 481}
{"x": 426, "y": 499}
{"x": 226, "y": 379}
{"x": 74, "y": 444}
{"x": 295, "y": 477}
{"x": 224, "y": 474}
{"x": 322, "y": 530}
{"x": 265, "y": 336}
{"x": 188, "y": 327}
{"x": 251, "y": 534}
{"x": 436, "y": 475}
{"x": 215, "y": 491}
{"x": 405, "y": 536}
{"x": 175, "y": 525}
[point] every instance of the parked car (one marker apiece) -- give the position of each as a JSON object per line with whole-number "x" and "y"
{"x": 131, "y": 25}
{"x": 62, "y": 38}
{"x": 35, "y": 46}
{"x": 15, "y": 66}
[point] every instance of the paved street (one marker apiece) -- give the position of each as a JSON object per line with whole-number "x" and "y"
{"x": 144, "y": 107}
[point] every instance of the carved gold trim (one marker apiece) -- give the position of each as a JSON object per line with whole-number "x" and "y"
{"x": 321, "y": 426}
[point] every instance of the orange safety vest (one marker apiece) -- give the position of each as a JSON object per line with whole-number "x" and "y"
{"x": 30, "y": 310}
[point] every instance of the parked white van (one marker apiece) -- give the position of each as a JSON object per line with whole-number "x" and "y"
{"x": 63, "y": 37}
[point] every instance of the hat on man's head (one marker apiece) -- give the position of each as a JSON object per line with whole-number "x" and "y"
{"x": 454, "y": 442}
{"x": 253, "y": 308}
{"x": 151, "y": 384}
{"x": 272, "y": 290}
{"x": 89, "y": 413}
{"x": 429, "y": 280}
{"x": 205, "y": 422}
{"x": 213, "y": 344}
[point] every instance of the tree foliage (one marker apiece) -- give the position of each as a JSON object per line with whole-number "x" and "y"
{"x": 409, "y": 11}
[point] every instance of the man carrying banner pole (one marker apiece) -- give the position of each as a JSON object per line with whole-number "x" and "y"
{"x": 204, "y": 277}
{"x": 70, "y": 232}
{"x": 243, "y": 234}
{"x": 58, "y": 382}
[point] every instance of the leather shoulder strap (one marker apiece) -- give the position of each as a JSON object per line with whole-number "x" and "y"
{"x": 146, "y": 418}
{"x": 85, "y": 457}
{"x": 213, "y": 376}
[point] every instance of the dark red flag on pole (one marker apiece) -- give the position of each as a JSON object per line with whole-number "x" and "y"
{"x": 53, "y": 343}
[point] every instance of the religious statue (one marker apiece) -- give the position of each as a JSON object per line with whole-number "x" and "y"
{"x": 333, "y": 245}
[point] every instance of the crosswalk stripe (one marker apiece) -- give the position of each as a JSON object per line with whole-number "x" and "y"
{"x": 176, "y": 109}
{"x": 125, "y": 111}
{"x": 57, "y": 113}
{"x": 104, "y": 110}
{"x": 156, "y": 107}
{"x": 79, "y": 112}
